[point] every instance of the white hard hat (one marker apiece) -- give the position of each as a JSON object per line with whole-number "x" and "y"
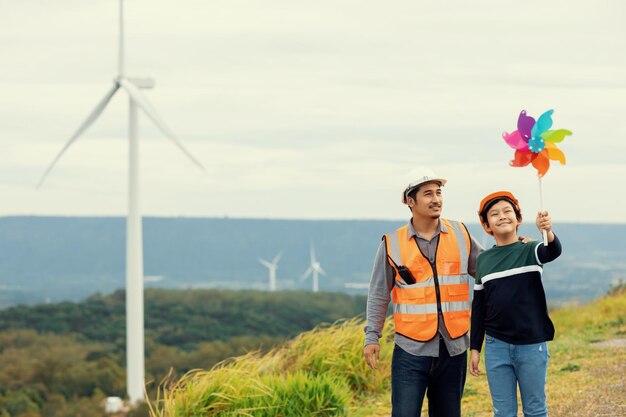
{"x": 417, "y": 177}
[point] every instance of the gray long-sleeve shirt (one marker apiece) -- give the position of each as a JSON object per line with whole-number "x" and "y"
{"x": 379, "y": 295}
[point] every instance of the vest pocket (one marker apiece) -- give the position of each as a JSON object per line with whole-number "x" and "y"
{"x": 414, "y": 295}
{"x": 413, "y": 318}
{"x": 451, "y": 268}
{"x": 457, "y": 292}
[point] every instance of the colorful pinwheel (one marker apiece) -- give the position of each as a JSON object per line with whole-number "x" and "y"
{"x": 534, "y": 143}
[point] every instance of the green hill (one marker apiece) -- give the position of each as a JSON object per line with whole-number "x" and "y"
{"x": 323, "y": 373}
{"x": 186, "y": 318}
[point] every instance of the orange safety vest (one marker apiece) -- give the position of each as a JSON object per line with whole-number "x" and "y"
{"x": 443, "y": 286}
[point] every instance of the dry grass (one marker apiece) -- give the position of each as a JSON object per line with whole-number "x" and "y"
{"x": 585, "y": 378}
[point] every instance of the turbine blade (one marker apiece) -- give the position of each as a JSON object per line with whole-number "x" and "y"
{"x": 265, "y": 263}
{"x": 97, "y": 111}
{"x": 142, "y": 101}
{"x": 277, "y": 257}
{"x": 306, "y": 274}
{"x": 321, "y": 271}
{"x": 312, "y": 254}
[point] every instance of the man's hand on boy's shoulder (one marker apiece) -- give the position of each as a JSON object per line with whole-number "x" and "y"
{"x": 524, "y": 239}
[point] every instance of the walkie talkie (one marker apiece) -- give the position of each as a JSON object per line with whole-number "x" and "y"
{"x": 404, "y": 272}
{"x": 406, "y": 275}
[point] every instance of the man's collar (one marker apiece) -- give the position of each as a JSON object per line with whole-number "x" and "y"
{"x": 441, "y": 228}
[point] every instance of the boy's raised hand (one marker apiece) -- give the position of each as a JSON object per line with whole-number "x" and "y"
{"x": 544, "y": 222}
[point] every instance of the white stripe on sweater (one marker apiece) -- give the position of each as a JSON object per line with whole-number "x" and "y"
{"x": 510, "y": 272}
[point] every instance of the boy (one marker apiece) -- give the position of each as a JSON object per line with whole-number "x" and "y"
{"x": 510, "y": 307}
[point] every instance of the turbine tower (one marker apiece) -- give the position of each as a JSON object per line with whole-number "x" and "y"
{"x": 135, "y": 369}
{"x": 271, "y": 269}
{"x": 315, "y": 268}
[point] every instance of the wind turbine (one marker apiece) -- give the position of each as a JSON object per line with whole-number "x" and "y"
{"x": 271, "y": 269}
{"x": 315, "y": 268}
{"x": 135, "y": 368}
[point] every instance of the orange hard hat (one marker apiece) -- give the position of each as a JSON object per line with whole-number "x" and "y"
{"x": 493, "y": 197}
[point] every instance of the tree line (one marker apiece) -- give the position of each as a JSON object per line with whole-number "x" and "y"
{"x": 63, "y": 359}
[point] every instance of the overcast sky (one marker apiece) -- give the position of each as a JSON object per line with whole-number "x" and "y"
{"x": 312, "y": 109}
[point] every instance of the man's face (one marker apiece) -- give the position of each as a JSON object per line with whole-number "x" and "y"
{"x": 428, "y": 202}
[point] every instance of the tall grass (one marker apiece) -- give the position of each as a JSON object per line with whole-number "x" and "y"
{"x": 323, "y": 373}
{"x": 319, "y": 373}
{"x": 338, "y": 349}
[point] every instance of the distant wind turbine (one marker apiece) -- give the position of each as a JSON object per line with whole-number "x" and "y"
{"x": 271, "y": 269}
{"x": 315, "y": 268}
{"x": 135, "y": 368}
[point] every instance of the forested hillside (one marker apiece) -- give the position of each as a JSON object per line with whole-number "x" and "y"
{"x": 61, "y": 360}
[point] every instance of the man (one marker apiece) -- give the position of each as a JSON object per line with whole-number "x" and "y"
{"x": 424, "y": 268}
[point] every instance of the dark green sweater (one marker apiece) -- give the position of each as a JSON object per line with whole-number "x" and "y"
{"x": 509, "y": 300}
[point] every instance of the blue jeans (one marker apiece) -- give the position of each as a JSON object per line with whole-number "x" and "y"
{"x": 509, "y": 365}
{"x": 443, "y": 379}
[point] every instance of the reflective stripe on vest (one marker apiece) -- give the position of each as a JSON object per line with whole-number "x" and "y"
{"x": 428, "y": 308}
{"x": 415, "y": 305}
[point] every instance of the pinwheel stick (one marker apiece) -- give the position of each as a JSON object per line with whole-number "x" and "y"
{"x": 544, "y": 232}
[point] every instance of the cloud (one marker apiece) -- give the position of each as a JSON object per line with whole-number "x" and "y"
{"x": 309, "y": 109}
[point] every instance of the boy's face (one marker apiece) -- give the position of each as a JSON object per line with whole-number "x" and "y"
{"x": 428, "y": 201}
{"x": 501, "y": 219}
